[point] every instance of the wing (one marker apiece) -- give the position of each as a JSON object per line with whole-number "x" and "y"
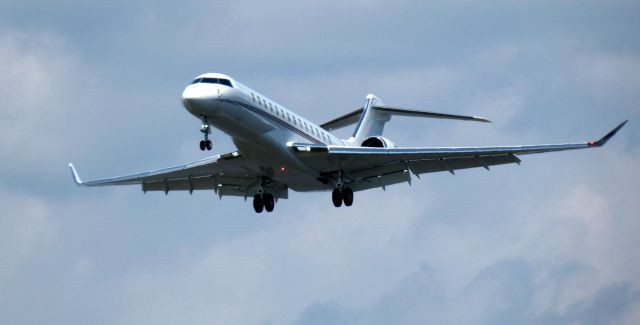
{"x": 374, "y": 167}
{"x": 228, "y": 175}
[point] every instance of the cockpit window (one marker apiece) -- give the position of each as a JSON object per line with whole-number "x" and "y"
{"x": 220, "y": 81}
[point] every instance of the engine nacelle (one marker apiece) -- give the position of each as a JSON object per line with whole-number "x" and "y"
{"x": 378, "y": 142}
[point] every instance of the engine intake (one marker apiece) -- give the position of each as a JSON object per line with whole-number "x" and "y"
{"x": 377, "y": 142}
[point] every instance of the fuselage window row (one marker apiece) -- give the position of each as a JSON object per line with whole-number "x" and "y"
{"x": 284, "y": 115}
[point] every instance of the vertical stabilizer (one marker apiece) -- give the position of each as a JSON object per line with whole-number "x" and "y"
{"x": 371, "y": 121}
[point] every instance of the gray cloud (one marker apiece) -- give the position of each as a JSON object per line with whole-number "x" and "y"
{"x": 502, "y": 293}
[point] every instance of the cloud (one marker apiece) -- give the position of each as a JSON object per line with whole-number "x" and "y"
{"x": 26, "y": 229}
{"x": 611, "y": 304}
{"x": 317, "y": 257}
{"x": 608, "y": 73}
{"x": 34, "y": 74}
{"x": 502, "y": 293}
{"x": 43, "y": 85}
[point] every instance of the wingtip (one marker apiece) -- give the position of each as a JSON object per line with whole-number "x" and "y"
{"x": 608, "y": 136}
{"x": 74, "y": 173}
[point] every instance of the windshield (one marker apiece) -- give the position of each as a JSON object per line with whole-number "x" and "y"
{"x": 220, "y": 81}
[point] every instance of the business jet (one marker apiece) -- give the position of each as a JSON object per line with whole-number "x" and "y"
{"x": 279, "y": 150}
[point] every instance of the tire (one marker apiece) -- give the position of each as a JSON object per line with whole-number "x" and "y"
{"x": 347, "y": 196}
{"x": 269, "y": 202}
{"x": 336, "y": 197}
{"x": 202, "y": 145}
{"x": 208, "y": 144}
{"x": 258, "y": 203}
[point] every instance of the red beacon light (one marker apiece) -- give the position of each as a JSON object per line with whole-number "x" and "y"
{"x": 282, "y": 169}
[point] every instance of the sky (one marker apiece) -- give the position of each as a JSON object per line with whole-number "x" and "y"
{"x": 98, "y": 83}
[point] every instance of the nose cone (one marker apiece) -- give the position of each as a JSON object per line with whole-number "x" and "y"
{"x": 194, "y": 98}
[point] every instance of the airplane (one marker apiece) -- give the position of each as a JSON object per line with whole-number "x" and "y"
{"x": 279, "y": 150}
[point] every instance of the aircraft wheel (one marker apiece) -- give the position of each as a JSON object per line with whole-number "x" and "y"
{"x": 202, "y": 145}
{"x": 208, "y": 144}
{"x": 269, "y": 202}
{"x": 336, "y": 197}
{"x": 258, "y": 203}
{"x": 347, "y": 196}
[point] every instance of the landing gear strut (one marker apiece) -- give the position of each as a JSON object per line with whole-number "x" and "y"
{"x": 263, "y": 202}
{"x": 206, "y": 129}
{"x": 340, "y": 193}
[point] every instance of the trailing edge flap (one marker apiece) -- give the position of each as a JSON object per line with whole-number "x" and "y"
{"x": 353, "y": 117}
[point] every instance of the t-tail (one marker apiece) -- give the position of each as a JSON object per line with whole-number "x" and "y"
{"x": 374, "y": 115}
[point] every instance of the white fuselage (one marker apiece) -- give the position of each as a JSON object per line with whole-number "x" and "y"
{"x": 260, "y": 128}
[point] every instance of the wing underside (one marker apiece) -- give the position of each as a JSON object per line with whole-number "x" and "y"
{"x": 226, "y": 175}
{"x": 366, "y": 168}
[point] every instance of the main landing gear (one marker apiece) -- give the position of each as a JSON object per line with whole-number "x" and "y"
{"x": 263, "y": 201}
{"x": 342, "y": 195}
{"x": 206, "y": 129}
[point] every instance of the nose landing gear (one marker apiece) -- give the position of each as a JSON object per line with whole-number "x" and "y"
{"x": 206, "y": 144}
{"x": 206, "y": 129}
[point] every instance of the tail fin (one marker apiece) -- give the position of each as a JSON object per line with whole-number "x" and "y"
{"x": 371, "y": 121}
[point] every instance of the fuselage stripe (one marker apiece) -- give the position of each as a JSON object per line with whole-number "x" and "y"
{"x": 275, "y": 119}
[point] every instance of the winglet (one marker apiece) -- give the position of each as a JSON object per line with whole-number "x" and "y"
{"x": 74, "y": 173}
{"x": 608, "y": 136}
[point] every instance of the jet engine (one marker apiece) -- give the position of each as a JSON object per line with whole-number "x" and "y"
{"x": 377, "y": 142}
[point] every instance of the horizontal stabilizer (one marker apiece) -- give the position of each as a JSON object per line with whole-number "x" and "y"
{"x": 354, "y": 116}
{"x": 416, "y": 113}
{"x": 343, "y": 121}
